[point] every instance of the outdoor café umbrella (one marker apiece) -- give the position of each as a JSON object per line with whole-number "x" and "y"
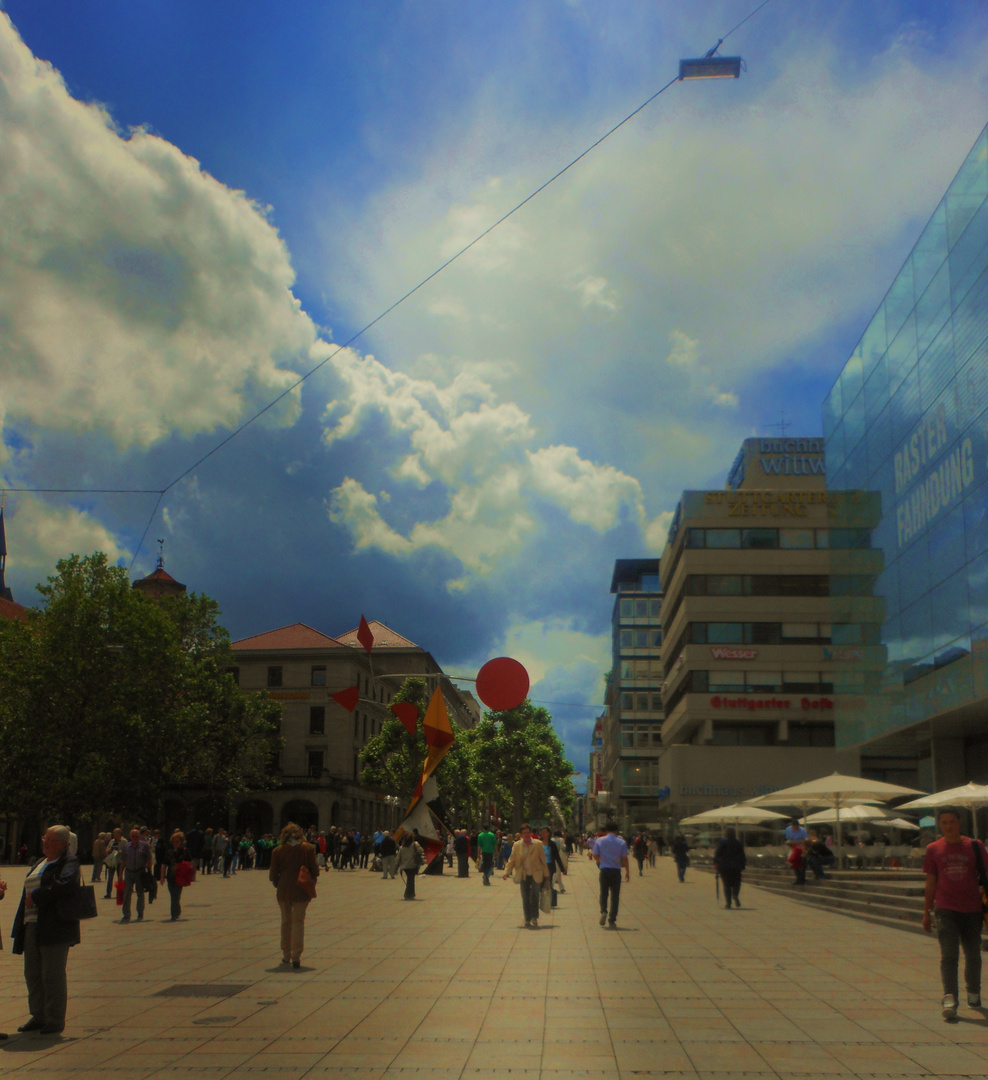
{"x": 735, "y": 814}
{"x": 861, "y": 812}
{"x": 970, "y": 796}
{"x": 837, "y": 791}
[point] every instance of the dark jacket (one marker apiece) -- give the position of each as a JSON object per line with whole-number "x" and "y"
{"x": 58, "y": 882}
{"x": 388, "y": 847}
{"x": 171, "y": 857}
{"x": 730, "y": 855}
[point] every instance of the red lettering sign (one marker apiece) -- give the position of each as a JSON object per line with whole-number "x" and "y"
{"x": 720, "y": 652}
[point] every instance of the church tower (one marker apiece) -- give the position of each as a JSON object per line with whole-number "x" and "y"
{"x": 159, "y": 583}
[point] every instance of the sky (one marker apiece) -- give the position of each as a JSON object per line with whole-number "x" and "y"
{"x": 203, "y": 202}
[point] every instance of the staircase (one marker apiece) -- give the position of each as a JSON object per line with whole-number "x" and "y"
{"x": 892, "y": 898}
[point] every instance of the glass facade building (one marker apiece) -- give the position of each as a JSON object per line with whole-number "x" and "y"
{"x": 907, "y": 421}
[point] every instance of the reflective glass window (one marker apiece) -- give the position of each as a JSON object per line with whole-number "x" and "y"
{"x": 899, "y": 300}
{"x": 696, "y": 538}
{"x": 627, "y": 737}
{"x": 627, "y": 701}
{"x": 763, "y": 682}
{"x": 641, "y": 608}
{"x": 654, "y": 608}
{"x": 627, "y": 639}
{"x": 726, "y": 681}
{"x": 916, "y": 633}
{"x": 723, "y": 585}
{"x": 933, "y": 308}
{"x": 795, "y": 538}
{"x": 627, "y": 607}
{"x": 725, "y": 633}
{"x": 966, "y": 256}
{"x": 946, "y": 546}
{"x": 930, "y": 252}
{"x": 641, "y": 639}
{"x": 949, "y": 610}
{"x": 723, "y": 538}
{"x": 901, "y": 355}
{"x": 759, "y": 538}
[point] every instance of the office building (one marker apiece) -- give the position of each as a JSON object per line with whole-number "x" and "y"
{"x": 756, "y": 631}
{"x": 907, "y": 420}
{"x": 632, "y": 723}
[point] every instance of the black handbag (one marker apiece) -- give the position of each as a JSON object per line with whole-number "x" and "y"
{"x": 80, "y": 905}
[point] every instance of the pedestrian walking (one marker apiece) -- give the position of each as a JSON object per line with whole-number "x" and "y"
{"x": 461, "y": 848}
{"x": 287, "y": 860}
{"x": 955, "y": 868}
{"x": 553, "y": 861}
{"x": 99, "y": 854}
{"x": 653, "y": 851}
{"x": 172, "y": 872}
{"x": 137, "y": 860}
{"x": 388, "y": 850}
{"x": 681, "y": 855}
{"x": 487, "y": 843}
{"x": 44, "y": 931}
{"x": 565, "y": 847}
{"x": 640, "y": 849}
{"x": 527, "y": 867}
{"x": 410, "y": 858}
{"x": 610, "y": 853}
{"x": 729, "y": 861}
{"x": 112, "y": 861}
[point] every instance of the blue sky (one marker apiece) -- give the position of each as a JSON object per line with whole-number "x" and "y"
{"x": 199, "y": 201}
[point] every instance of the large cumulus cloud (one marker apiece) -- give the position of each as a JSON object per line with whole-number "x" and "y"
{"x": 138, "y": 295}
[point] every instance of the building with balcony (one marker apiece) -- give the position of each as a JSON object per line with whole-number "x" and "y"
{"x": 761, "y": 639}
{"x": 908, "y": 420}
{"x": 631, "y": 725}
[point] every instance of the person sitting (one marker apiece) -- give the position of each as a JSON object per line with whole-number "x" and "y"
{"x": 818, "y": 856}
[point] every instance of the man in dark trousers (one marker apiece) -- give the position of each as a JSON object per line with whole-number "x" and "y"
{"x": 461, "y": 849}
{"x": 610, "y": 853}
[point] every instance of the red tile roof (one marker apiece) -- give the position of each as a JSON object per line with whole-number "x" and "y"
{"x": 11, "y": 611}
{"x": 296, "y": 636}
{"x": 384, "y": 637}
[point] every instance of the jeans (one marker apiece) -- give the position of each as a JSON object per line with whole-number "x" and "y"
{"x": 681, "y": 869}
{"x": 487, "y": 865}
{"x": 410, "y": 873}
{"x": 133, "y": 880}
{"x": 817, "y": 864}
{"x": 610, "y": 883}
{"x": 956, "y": 930}
{"x": 530, "y": 889}
{"x": 97, "y": 870}
{"x": 44, "y": 973}
{"x": 175, "y": 893}
{"x": 292, "y": 928}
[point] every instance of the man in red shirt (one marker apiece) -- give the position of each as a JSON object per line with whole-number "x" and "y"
{"x": 953, "y": 876}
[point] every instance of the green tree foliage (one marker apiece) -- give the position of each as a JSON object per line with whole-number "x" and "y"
{"x": 511, "y": 759}
{"x": 522, "y": 763}
{"x": 108, "y": 698}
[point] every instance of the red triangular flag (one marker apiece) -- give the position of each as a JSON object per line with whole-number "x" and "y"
{"x": 348, "y": 698}
{"x": 364, "y": 635}
{"x": 408, "y": 714}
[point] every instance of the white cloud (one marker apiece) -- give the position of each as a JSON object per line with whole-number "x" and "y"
{"x": 552, "y": 646}
{"x": 137, "y": 294}
{"x": 696, "y": 378}
{"x": 39, "y": 534}
{"x": 478, "y": 448}
{"x": 593, "y": 292}
{"x": 657, "y": 531}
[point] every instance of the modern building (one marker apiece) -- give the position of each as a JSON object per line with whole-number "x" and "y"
{"x": 320, "y": 765}
{"x": 757, "y": 632}
{"x": 632, "y": 723}
{"x": 907, "y": 420}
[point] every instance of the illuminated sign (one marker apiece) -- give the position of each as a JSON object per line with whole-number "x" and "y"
{"x": 721, "y": 652}
{"x": 760, "y": 704}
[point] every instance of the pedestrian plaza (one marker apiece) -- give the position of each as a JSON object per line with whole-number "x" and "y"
{"x": 453, "y": 987}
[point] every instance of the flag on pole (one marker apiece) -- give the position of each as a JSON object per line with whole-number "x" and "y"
{"x": 408, "y": 714}
{"x": 365, "y": 636}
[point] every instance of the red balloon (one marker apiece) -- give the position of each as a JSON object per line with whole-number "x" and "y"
{"x": 502, "y": 684}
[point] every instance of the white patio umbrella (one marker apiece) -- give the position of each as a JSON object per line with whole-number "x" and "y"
{"x": 970, "y": 796}
{"x": 861, "y": 812}
{"x": 837, "y": 791}
{"x": 901, "y": 823}
{"x": 735, "y": 814}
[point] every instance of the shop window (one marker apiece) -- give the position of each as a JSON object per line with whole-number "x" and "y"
{"x": 317, "y": 719}
{"x": 318, "y": 675}
{"x": 275, "y": 675}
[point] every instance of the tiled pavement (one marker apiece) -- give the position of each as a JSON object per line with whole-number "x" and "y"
{"x": 452, "y": 987}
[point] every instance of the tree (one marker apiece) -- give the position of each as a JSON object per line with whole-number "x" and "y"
{"x": 521, "y": 762}
{"x": 108, "y": 698}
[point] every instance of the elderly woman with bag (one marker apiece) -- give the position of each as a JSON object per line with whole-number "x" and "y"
{"x": 176, "y": 869}
{"x": 293, "y": 873}
{"x": 46, "y": 926}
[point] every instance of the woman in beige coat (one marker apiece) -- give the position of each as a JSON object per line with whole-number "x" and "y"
{"x": 528, "y": 867}
{"x": 291, "y": 854}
